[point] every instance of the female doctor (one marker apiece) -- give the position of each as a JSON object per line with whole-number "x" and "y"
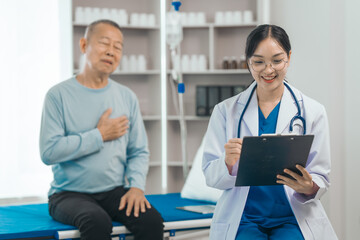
{"x": 292, "y": 209}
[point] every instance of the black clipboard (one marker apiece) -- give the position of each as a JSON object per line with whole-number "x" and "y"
{"x": 263, "y": 157}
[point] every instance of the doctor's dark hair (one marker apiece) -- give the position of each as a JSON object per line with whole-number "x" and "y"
{"x": 262, "y": 32}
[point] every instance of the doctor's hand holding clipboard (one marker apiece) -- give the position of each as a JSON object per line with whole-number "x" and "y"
{"x": 287, "y": 205}
{"x": 300, "y": 183}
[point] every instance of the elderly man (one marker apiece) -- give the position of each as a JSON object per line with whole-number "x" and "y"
{"x": 93, "y": 136}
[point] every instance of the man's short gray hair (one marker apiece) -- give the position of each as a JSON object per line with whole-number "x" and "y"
{"x": 90, "y": 28}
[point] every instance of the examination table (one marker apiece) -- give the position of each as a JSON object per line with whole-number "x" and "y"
{"x": 34, "y": 222}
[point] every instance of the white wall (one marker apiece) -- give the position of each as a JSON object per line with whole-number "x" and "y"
{"x": 29, "y": 66}
{"x": 36, "y": 54}
{"x": 324, "y": 35}
{"x": 65, "y": 35}
{"x": 352, "y": 115}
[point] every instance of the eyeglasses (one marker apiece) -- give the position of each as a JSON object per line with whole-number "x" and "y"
{"x": 276, "y": 64}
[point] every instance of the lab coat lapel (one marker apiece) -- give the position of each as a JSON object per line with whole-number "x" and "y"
{"x": 286, "y": 112}
{"x": 250, "y": 119}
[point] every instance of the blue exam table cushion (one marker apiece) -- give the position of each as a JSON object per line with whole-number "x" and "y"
{"x": 34, "y": 220}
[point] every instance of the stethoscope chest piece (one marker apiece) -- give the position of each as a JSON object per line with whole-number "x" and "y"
{"x": 297, "y": 122}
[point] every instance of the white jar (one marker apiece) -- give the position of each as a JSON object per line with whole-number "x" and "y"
{"x": 185, "y": 63}
{"x": 151, "y": 20}
{"x": 88, "y": 15}
{"x": 194, "y": 63}
{"x": 96, "y": 14}
{"x": 132, "y": 63}
{"x": 134, "y": 19}
{"x": 191, "y": 18}
{"x": 123, "y": 17}
{"x": 114, "y": 15}
{"x": 237, "y": 17}
{"x": 79, "y": 15}
{"x": 200, "y": 18}
{"x": 143, "y": 19}
{"x": 184, "y": 18}
{"x": 248, "y": 17}
{"x": 124, "y": 63}
{"x": 229, "y": 19}
{"x": 105, "y": 13}
{"x": 202, "y": 62}
{"x": 141, "y": 63}
{"x": 219, "y": 18}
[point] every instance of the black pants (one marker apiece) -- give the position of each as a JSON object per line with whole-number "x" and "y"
{"x": 92, "y": 215}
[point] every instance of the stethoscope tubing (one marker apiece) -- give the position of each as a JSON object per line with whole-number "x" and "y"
{"x": 297, "y": 116}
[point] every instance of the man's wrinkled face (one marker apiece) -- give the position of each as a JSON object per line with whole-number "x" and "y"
{"x": 103, "y": 49}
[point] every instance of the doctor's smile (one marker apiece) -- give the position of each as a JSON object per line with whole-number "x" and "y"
{"x": 269, "y": 79}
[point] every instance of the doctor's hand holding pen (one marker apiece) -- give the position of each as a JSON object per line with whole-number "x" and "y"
{"x": 232, "y": 152}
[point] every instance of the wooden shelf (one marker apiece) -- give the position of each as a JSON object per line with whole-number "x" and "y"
{"x": 219, "y": 72}
{"x": 119, "y": 72}
{"x": 177, "y": 164}
{"x": 147, "y": 72}
{"x": 130, "y": 27}
{"x": 244, "y": 25}
{"x": 151, "y": 118}
{"x": 215, "y": 72}
{"x": 206, "y": 25}
{"x": 188, "y": 118}
{"x": 154, "y": 164}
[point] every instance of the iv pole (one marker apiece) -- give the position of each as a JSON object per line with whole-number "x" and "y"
{"x": 177, "y": 78}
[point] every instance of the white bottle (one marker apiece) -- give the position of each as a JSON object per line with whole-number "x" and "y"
{"x": 105, "y": 13}
{"x": 229, "y": 19}
{"x": 124, "y": 64}
{"x": 88, "y": 15}
{"x": 194, "y": 63}
{"x": 202, "y": 63}
{"x": 134, "y": 19}
{"x": 248, "y": 17}
{"x": 141, "y": 62}
{"x": 114, "y": 15}
{"x": 184, "y": 20}
{"x": 185, "y": 63}
{"x": 79, "y": 15}
{"x": 123, "y": 17}
{"x": 200, "y": 18}
{"x": 237, "y": 17}
{"x": 151, "y": 20}
{"x": 96, "y": 14}
{"x": 192, "y": 18}
{"x": 132, "y": 63}
{"x": 219, "y": 18}
{"x": 143, "y": 19}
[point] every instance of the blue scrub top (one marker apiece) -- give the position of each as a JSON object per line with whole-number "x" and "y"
{"x": 268, "y": 206}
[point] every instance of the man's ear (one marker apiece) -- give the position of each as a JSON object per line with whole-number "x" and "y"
{"x": 83, "y": 44}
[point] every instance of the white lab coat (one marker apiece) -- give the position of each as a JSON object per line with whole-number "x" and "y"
{"x": 223, "y": 125}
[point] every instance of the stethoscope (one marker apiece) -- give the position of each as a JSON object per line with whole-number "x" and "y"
{"x": 297, "y": 116}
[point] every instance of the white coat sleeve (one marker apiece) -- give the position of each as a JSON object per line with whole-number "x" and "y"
{"x": 213, "y": 164}
{"x": 319, "y": 163}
